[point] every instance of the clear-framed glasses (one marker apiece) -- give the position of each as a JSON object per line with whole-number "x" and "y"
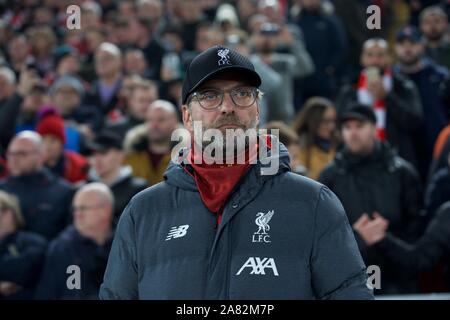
{"x": 209, "y": 99}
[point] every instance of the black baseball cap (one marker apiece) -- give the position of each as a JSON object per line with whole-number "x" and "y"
{"x": 104, "y": 141}
{"x": 360, "y": 112}
{"x": 410, "y": 33}
{"x": 214, "y": 61}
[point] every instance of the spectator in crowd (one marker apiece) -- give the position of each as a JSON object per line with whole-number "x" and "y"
{"x": 134, "y": 62}
{"x": 271, "y": 80}
{"x": 108, "y": 68}
{"x": 191, "y": 17}
{"x": 85, "y": 244}
{"x": 292, "y": 64}
{"x": 21, "y": 253}
{"x": 148, "y": 147}
{"x": 245, "y": 10}
{"x": 434, "y": 26}
{"x": 423, "y": 255}
{"x": 315, "y": 125}
{"x": 19, "y": 51}
{"x": 141, "y": 29}
{"x": 67, "y": 94}
{"x": 30, "y": 108}
{"x": 67, "y": 164}
{"x": 142, "y": 95}
{"x": 428, "y": 77}
{"x": 106, "y": 158}
{"x": 370, "y": 179}
{"x": 394, "y": 98}
{"x": 11, "y": 98}
{"x": 67, "y": 61}
{"x": 354, "y": 20}
{"x": 42, "y": 42}
{"x": 44, "y": 198}
{"x": 325, "y": 42}
{"x": 291, "y": 140}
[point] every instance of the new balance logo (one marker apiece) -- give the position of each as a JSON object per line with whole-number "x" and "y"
{"x": 258, "y": 266}
{"x": 177, "y": 232}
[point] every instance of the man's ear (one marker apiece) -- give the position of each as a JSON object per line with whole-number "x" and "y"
{"x": 187, "y": 117}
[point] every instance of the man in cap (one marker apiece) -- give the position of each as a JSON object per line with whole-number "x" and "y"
{"x": 371, "y": 181}
{"x": 231, "y": 231}
{"x": 428, "y": 78}
{"x": 106, "y": 158}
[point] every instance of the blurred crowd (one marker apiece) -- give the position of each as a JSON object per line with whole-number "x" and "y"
{"x": 86, "y": 117}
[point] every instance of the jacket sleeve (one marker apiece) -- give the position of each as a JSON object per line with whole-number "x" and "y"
{"x": 24, "y": 268}
{"x": 338, "y": 271}
{"x": 53, "y": 277}
{"x": 426, "y": 252}
{"x": 121, "y": 275}
{"x": 404, "y": 105}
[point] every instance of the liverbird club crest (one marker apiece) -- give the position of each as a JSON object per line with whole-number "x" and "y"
{"x": 224, "y": 58}
{"x": 262, "y": 221}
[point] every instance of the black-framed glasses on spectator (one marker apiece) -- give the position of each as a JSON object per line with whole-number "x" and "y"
{"x": 210, "y": 99}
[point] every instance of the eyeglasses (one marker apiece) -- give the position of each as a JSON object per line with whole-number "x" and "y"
{"x": 210, "y": 99}
{"x": 85, "y": 208}
{"x": 21, "y": 153}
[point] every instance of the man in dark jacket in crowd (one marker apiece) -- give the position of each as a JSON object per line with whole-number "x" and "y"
{"x": 44, "y": 198}
{"x": 106, "y": 161}
{"x": 434, "y": 25}
{"x": 394, "y": 98}
{"x": 76, "y": 259}
{"x": 325, "y": 41}
{"x": 427, "y": 252}
{"x": 428, "y": 77}
{"x": 21, "y": 253}
{"x": 11, "y": 98}
{"x": 214, "y": 231}
{"x": 369, "y": 178}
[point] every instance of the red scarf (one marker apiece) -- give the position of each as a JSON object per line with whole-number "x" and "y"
{"x": 215, "y": 182}
{"x": 379, "y": 106}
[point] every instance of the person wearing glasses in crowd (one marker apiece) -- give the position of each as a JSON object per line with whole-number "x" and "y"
{"x": 228, "y": 230}
{"x": 44, "y": 197}
{"x": 77, "y": 258}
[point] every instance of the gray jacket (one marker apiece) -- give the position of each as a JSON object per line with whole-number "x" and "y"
{"x": 282, "y": 236}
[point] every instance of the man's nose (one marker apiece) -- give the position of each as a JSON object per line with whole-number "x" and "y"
{"x": 227, "y": 105}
